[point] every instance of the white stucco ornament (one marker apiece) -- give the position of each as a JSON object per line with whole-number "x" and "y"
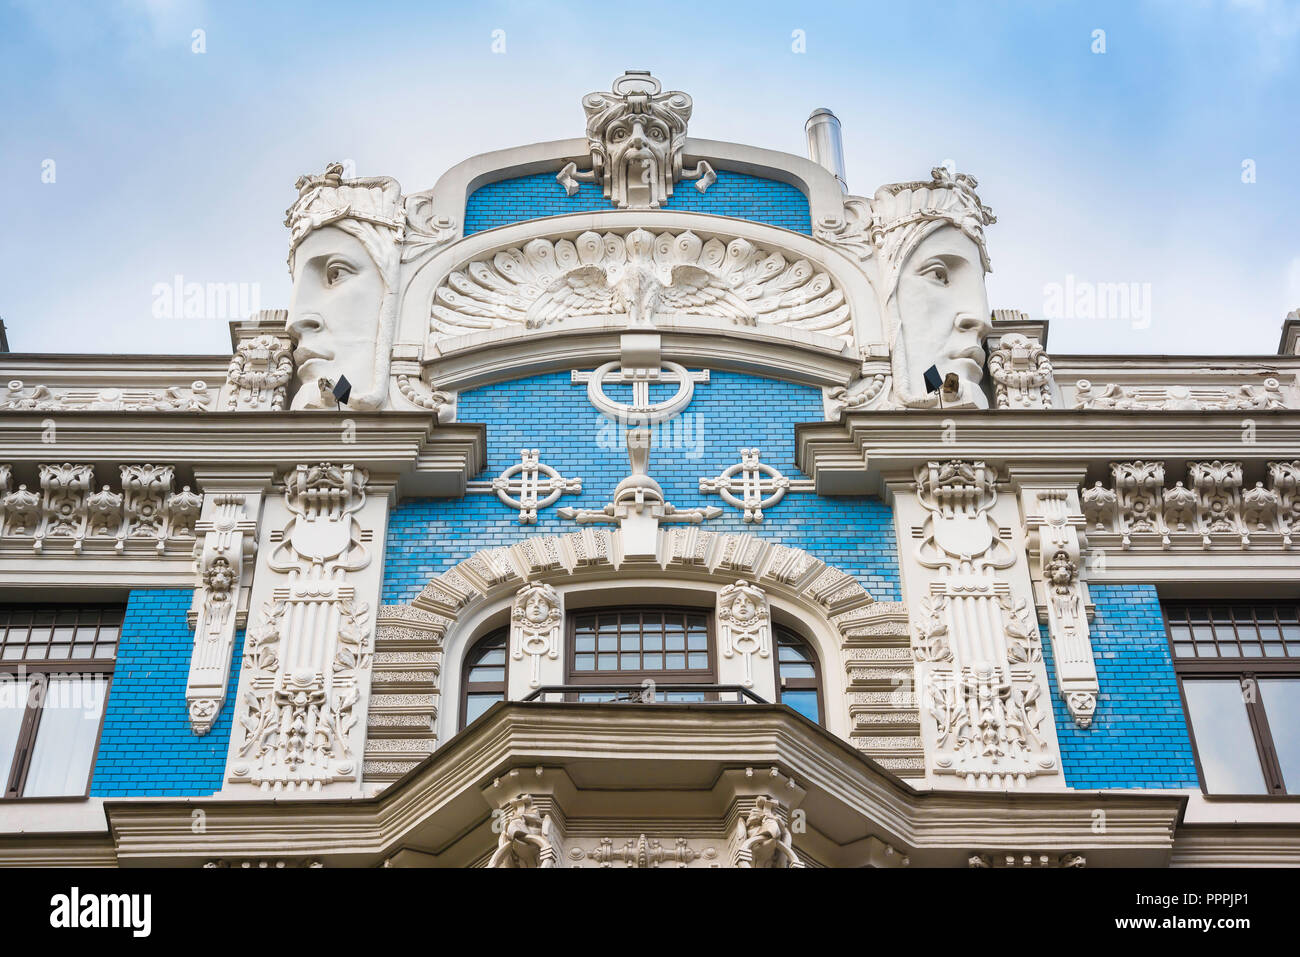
{"x": 636, "y": 134}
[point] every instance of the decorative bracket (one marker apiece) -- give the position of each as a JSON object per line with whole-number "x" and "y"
{"x": 229, "y": 539}
{"x": 1056, "y": 532}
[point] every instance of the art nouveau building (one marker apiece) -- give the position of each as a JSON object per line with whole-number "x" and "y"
{"x": 592, "y": 508}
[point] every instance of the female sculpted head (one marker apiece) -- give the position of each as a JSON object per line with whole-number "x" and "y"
{"x": 932, "y": 260}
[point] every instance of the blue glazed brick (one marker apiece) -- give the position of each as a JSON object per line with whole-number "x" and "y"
{"x": 147, "y": 747}
{"x": 552, "y": 414}
{"x": 1138, "y": 738}
{"x": 734, "y": 194}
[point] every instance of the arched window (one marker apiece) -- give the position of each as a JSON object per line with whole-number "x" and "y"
{"x": 627, "y": 646}
{"x": 486, "y": 667}
{"x": 798, "y": 679}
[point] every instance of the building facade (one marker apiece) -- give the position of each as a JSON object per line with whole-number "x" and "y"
{"x": 640, "y": 500}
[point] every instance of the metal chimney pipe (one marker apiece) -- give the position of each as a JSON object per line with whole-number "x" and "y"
{"x": 825, "y": 145}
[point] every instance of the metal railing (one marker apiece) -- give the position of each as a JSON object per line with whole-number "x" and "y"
{"x": 648, "y": 693}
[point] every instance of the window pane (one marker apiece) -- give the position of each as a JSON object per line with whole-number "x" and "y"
{"x": 13, "y": 702}
{"x": 1224, "y": 741}
{"x": 1281, "y": 697}
{"x": 805, "y": 702}
{"x": 476, "y": 704}
{"x": 482, "y": 675}
{"x": 65, "y": 739}
{"x": 795, "y": 670}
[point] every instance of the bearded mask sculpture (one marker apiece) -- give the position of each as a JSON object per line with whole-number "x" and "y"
{"x": 344, "y": 256}
{"x": 636, "y": 135}
{"x": 931, "y": 255}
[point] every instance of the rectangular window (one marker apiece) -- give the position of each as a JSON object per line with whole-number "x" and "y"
{"x": 1238, "y": 665}
{"x": 56, "y": 664}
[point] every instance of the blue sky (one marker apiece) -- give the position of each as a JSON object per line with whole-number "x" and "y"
{"x": 1123, "y": 166}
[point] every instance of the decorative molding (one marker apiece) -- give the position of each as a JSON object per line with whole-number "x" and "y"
{"x": 641, "y": 852}
{"x": 528, "y": 486}
{"x": 763, "y": 837}
{"x": 259, "y": 373}
{"x": 986, "y": 861}
{"x": 414, "y": 391}
{"x": 1209, "y": 510}
{"x": 221, "y": 556}
{"x": 1191, "y": 398}
{"x": 535, "y": 623}
{"x": 643, "y": 276}
{"x": 761, "y": 486}
{"x": 67, "y": 513}
{"x": 636, "y": 135}
{"x": 639, "y": 507}
{"x": 18, "y": 397}
{"x": 310, "y": 652}
{"x": 525, "y": 838}
{"x": 1021, "y": 372}
{"x": 1056, "y": 532}
{"x": 744, "y": 625}
{"x": 982, "y": 677}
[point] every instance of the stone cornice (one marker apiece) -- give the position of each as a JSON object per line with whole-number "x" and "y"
{"x": 851, "y": 456}
{"x": 677, "y": 749}
{"x": 427, "y": 457}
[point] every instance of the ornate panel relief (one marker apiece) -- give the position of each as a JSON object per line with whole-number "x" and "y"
{"x": 642, "y": 276}
{"x": 744, "y": 625}
{"x": 981, "y": 669}
{"x": 18, "y": 397}
{"x": 1212, "y": 508}
{"x": 259, "y": 374}
{"x": 535, "y": 623}
{"x": 1209, "y": 398}
{"x": 307, "y": 660}
{"x": 220, "y": 558}
{"x": 1055, "y": 529}
{"x": 68, "y": 515}
{"x": 1021, "y": 373}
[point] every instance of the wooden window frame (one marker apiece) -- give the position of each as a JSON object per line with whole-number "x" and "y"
{"x": 799, "y": 684}
{"x": 664, "y": 676}
{"x": 484, "y": 687}
{"x": 40, "y": 670}
{"x": 1244, "y": 669}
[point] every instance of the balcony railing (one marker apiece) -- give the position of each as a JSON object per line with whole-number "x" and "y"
{"x": 648, "y": 693}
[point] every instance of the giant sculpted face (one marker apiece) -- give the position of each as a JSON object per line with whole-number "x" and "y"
{"x": 334, "y": 314}
{"x": 943, "y": 308}
{"x": 344, "y": 256}
{"x": 932, "y": 259}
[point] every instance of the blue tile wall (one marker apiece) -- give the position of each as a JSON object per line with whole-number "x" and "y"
{"x": 1138, "y": 738}
{"x": 551, "y": 413}
{"x": 734, "y": 194}
{"x": 147, "y": 747}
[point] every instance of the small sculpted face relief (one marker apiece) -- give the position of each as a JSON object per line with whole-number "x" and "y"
{"x": 334, "y": 313}
{"x": 639, "y": 148}
{"x": 943, "y": 309}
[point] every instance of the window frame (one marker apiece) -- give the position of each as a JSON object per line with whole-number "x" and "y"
{"x": 1244, "y": 669}
{"x": 663, "y": 676}
{"x": 483, "y": 687}
{"x": 805, "y": 684}
{"x": 40, "y": 670}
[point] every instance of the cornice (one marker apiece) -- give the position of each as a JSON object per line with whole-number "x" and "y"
{"x": 851, "y": 456}
{"x": 428, "y": 457}
{"x": 439, "y": 804}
